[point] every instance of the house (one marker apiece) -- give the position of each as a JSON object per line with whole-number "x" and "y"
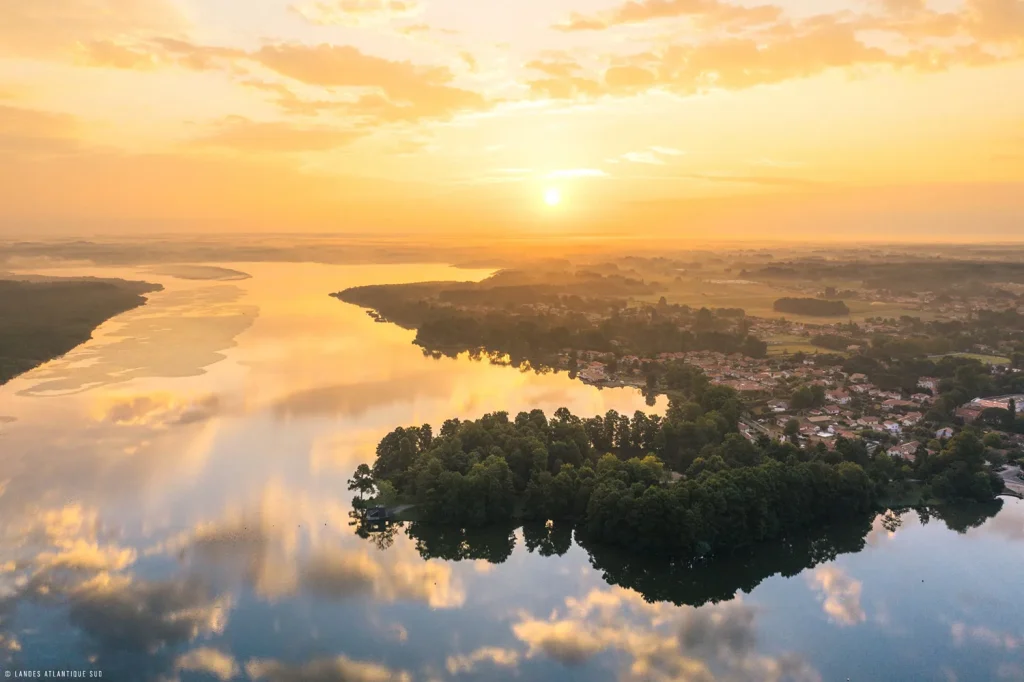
{"x": 893, "y": 427}
{"x": 968, "y": 413}
{"x": 945, "y": 432}
{"x": 858, "y": 378}
{"x": 907, "y": 451}
{"x": 911, "y": 418}
{"x": 1000, "y": 402}
{"x": 838, "y": 396}
{"x": 778, "y": 406}
{"x": 930, "y": 383}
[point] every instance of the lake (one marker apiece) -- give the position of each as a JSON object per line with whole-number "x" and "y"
{"x": 173, "y": 506}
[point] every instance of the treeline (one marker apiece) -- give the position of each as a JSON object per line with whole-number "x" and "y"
{"x": 535, "y": 336}
{"x": 817, "y": 307}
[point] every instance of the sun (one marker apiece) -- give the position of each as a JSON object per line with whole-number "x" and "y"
{"x": 552, "y": 197}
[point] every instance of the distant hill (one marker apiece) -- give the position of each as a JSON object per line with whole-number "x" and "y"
{"x": 817, "y": 307}
{"x": 42, "y": 320}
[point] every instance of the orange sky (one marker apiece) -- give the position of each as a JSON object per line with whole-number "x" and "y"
{"x": 825, "y": 118}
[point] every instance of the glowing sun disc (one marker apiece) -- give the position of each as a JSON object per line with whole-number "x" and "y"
{"x": 552, "y": 197}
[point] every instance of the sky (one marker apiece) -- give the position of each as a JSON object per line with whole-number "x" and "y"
{"x": 833, "y": 119}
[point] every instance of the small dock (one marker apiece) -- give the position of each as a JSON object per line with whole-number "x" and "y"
{"x": 378, "y": 514}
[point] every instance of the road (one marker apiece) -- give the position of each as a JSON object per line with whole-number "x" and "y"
{"x": 1013, "y": 483}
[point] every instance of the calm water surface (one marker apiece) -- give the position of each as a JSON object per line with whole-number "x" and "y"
{"x": 173, "y": 506}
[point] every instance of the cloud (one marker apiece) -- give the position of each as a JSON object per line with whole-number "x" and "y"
{"x": 356, "y": 12}
{"x": 495, "y": 656}
{"x": 197, "y": 57}
{"x": 963, "y": 634}
{"x": 69, "y": 562}
{"x": 566, "y": 173}
{"x": 53, "y": 28}
{"x": 340, "y": 669}
{"x": 558, "y": 68}
{"x": 341, "y": 574}
{"x": 562, "y": 640}
{"x": 762, "y": 180}
{"x": 745, "y": 46}
{"x": 85, "y": 555}
{"x": 841, "y": 595}
{"x": 210, "y": 661}
{"x": 414, "y": 29}
{"x": 640, "y": 11}
{"x": 30, "y": 131}
{"x": 410, "y": 91}
{"x": 662, "y": 642}
{"x": 160, "y": 410}
{"x": 649, "y": 157}
{"x": 109, "y": 54}
{"x": 572, "y": 87}
{"x": 120, "y": 614}
{"x": 654, "y": 156}
{"x": 260, "y": 547}
{"x": 241, "y": 134}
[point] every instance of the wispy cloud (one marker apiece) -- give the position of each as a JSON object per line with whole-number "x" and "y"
{"x": 652, "y": 156}
{"x": 576, "y": 173}
{"x": 356, "y": 12}
{"x": 644, "y": 157}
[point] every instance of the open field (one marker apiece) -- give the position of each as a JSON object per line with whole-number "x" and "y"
{"x": 987, "y": 359}
{"x": 783, "y": 344}
{"x": 725, "y": 290}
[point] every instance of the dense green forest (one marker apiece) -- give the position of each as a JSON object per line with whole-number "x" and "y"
{"x": 40, "y": 321}
{"x": 817, "y": 307}
{"x": 613, "y": 475}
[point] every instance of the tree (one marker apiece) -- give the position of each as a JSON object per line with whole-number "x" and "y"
{"x": 1010, "y": 419}
{"x": 792, "y": 429}
{"x": 807, "y": 397}
{"x": 652, "y": 382}
{"x": 362, "y": 481}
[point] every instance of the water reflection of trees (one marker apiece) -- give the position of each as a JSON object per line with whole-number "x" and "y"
{"x": 699, "y": 582}
{"x": 523, "y": 361}
{"x": 961, "y": 518}
{"x": 492, "y": 544}
{"x": 665, "y": 579}
{"x": 548, "y": 539}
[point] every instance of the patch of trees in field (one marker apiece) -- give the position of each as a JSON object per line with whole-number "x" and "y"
{"x": 817, "y": 307}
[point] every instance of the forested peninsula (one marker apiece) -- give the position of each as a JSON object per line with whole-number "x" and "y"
{"x": 533, "y": 315}
{"x": 43, "y": 319}
{"x": 687, "y": 484}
